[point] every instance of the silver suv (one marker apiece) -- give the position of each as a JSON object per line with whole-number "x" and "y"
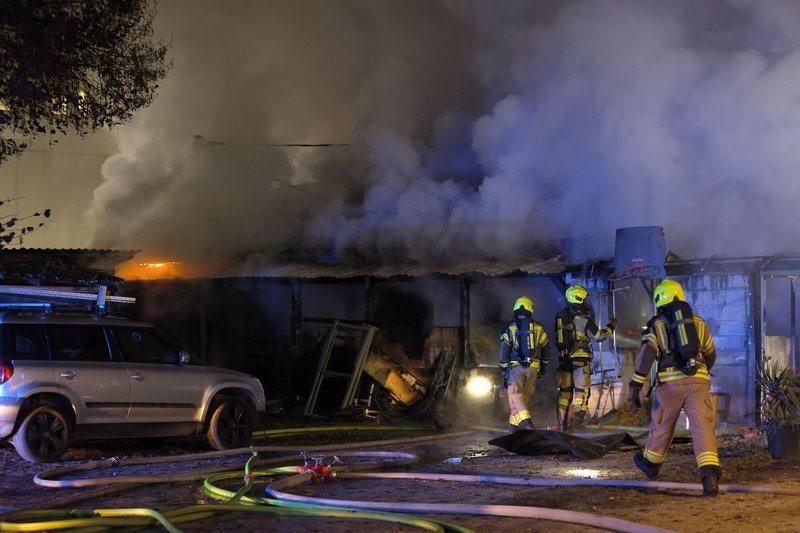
{"x": 72, "y": 376}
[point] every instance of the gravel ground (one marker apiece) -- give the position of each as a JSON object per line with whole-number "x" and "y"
{"x": 744, "y": 462}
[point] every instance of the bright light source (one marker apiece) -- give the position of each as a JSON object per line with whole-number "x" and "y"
{"x": 152, "y": 269}
{"x": 160, "y": 265}
{"x": 583, "y": 473}
{"x": 479, "y": 386}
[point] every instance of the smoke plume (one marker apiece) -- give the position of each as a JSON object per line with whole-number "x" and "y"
{"x": 474, "y": 130}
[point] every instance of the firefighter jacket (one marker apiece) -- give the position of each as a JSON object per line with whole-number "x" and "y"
{"x": 575, "y": 331}
{"x": 524, "y": 342}
{"x": 658, "y": 343}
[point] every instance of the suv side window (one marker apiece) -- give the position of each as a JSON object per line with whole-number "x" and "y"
{"x": 79, "y": 343}
{"x": 26, "y": 342}
{"x": 144, "y": 345}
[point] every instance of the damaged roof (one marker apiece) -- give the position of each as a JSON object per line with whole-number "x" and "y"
{"x": 534, "y": 266}
{"x": 54, "y": 266}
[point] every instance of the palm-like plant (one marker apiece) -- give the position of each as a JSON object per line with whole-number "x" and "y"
{"x": 780, "y": 388}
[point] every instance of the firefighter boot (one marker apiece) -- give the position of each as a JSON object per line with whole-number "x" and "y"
{"x": 650, "y": 469}
{"x": 562, "y": 417}
{"x": 512, "y": 428}
{"x": 710, "y": 479}
{"x": 526, "y": 424}
{"x": 578, "y": 418}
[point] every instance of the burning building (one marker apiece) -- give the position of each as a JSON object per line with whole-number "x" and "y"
{"x": 277, "y": 325}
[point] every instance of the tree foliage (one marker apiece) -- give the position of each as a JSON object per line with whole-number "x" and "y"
{"x": 14, "y": 227}
{"x": 74, "y": 66}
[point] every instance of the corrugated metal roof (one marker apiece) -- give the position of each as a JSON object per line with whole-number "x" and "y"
{"x": 536, "y": 266}
{"x": 71, "y": 252}
{"x": 59, "y": 266}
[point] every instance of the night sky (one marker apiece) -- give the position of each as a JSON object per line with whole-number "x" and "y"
{"x": 474, "y": 129}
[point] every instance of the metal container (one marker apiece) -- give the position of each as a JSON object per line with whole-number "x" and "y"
{"x": 640, "y": 246}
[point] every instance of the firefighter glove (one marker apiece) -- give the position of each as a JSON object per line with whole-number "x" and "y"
{"x": 542, "y": 370}
{"x": 612, "y": 324}
{"x": 634, "y": 399}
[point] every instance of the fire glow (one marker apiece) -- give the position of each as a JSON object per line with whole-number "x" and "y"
{"x": 150, "y": 270}
{"x": 153, "y": 268}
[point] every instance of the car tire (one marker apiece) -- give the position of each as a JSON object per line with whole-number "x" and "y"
{"x": 231, "y": 424}
{"x": 43, "y": 436}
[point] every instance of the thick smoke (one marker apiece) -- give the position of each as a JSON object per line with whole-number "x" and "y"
{"x": 476, "y": 130}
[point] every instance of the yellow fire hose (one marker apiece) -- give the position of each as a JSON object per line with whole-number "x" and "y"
{"x": 287, "y": 504}
{"x": 94, "y": 518}
{"x": 100, "y": 519}
{"x": 323, "y": 429}
{"x": 49, "y": 478}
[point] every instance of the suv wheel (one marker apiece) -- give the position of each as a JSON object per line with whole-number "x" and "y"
{"x": 43, "y": 435}
{"x": 231, "y": 424}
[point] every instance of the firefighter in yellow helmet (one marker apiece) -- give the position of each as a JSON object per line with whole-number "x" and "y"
{"x": 524, "y": 353}
{"x": 575, "y": 330}
{"x": 679, "y": 340}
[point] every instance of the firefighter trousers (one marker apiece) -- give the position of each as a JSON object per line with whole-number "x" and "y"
{"x": 521, "y": 385}
{"x": 574, "y": 386}
{"x": 693, "y": 396}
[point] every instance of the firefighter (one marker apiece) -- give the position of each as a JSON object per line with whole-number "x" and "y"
{"x": 575, "y": 330}
{"x": 524, "y": 352}
{"x": 679, "y": 340}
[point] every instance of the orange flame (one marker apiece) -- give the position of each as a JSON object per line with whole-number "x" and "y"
{"x": 153, "y": 268}
{"x": 135, "y": 269}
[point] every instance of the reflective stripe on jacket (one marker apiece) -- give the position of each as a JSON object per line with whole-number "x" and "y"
{"x": 575, "y": 331}
{"x": 511, "y": 352}
{"x": 656, "y": 345}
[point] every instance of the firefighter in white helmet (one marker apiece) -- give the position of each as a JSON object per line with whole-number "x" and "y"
{"x": 524, "y": 353}
{"x": 679, "y": 340}
{"x": 575, "y": 330}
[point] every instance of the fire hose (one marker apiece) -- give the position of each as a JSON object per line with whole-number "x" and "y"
{"x": 41, "y": 519}
{"x": 288, "y": 504}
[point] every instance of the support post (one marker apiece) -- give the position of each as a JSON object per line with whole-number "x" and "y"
{"x": 297, "y": 316}
{"x": 759, "y": 314}
{"x": 467, "y": 359}
{"x": 369, "y": 300}
{"x": 793, "y": 320}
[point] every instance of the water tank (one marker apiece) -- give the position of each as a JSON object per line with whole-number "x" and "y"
{"x": 641, "y": 245}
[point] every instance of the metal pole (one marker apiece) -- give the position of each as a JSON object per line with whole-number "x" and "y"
{"x": 465, "y": 323}
{"x": 759, "y": 316}
{"x": 793, "y": 319}
{"x": 613, "y": 298}
{"x": 369, "y": 299}
{"x": 297, "y": 316}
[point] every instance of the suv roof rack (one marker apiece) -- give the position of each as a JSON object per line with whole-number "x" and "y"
{"x": 100, "y": 298}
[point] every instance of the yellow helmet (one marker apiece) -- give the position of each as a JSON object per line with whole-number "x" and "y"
{"x": 667, "y": 291}
{"x": 524, "y": 302}
{"x": 576, "y": 294}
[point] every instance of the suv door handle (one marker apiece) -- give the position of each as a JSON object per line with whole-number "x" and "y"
{"x": 138, "y": 376}
{"x": 69, "y": 374}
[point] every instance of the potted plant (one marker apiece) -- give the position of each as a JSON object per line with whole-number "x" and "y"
{"x": 780, "y": 409}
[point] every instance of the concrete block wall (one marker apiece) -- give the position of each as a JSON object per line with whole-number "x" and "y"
{"x": 724, "y": 301}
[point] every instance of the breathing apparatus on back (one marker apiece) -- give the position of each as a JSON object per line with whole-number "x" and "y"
{"x": 669, "y": 299}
